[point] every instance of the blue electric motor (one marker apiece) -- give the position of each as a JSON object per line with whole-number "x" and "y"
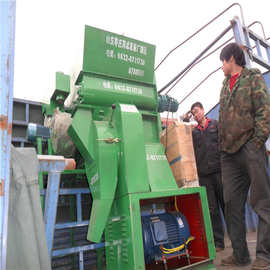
{"x": 164, "y": 235}
{"x": 167, "y": 104}
{"x": 34, "y": 131}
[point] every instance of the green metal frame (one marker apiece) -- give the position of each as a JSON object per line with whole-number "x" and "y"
{"x": 62, "y": 90}
{"x": 39, "y": 142}
{"x": 124, "y": 229}
{"x": 116, "y": 126}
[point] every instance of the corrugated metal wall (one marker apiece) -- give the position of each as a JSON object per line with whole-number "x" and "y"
{"x": 251, "y": 217}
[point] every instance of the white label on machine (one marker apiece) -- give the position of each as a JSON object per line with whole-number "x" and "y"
{"x": 155, "y": 157}
{"x": 94, "y": 179}
{"x": 180, "y": 222}
{"x": 122, "y": 87}
{"x": 128, "y": 108}
{"x": 115, "y": 219}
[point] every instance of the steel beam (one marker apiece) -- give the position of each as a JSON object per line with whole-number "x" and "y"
{"x": 54, "y": 165}
{"x": 7, "y": 39}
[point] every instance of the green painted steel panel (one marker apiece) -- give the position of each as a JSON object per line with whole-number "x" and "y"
{"x": 104, "y": 91}
{"x": 124, "y": 241}
{"x": 124, "y": 246}
{"x": 102, "y": 178}
{"x": 62, "y": 90}
{"x": 132, "y": 163}
{"x": 151, "y": 131}
{"x": 62, "y": 82}
{"x": 118, "y": 56}
{"x": 80, "y": 134}
{"x": 159, "y": 173}
{"x": 89, "y": 136}
{"x": 116, "y": 129}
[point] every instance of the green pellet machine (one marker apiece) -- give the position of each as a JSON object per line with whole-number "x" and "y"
{"x": 149, "y": 223}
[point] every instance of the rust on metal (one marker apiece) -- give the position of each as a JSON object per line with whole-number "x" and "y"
{"x": 70, "y": 164}
{"x": 3, "y": 122}
{"x": 4, "y": 125}
{"x": 2, "y": 187}
{"x": 9, "y": 129}
{"x": 8, "y": 70}
{"x": 7, "y": 63}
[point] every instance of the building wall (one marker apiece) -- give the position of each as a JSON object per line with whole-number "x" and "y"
{"x": 24, "y": 112}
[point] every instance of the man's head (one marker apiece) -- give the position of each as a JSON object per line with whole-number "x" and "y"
{"x": 232, "y": 56}
{"x": 197, "y": 111}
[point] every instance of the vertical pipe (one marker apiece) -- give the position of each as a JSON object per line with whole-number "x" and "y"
{"x": 258, "y": 47}
{"x": 7, "y": 39}
{"x": 241, "y": 37}
{"x": 50, "y": 211}
{"x": 27, "y": 113}
{"x": 72, "y": 218}
{"x": 79, "y": 207}
{"x": 39, "y": 145}
{"x": 50, "y": 152}
{"x": 81, "y": 260}
{"x": 268, "y": 53}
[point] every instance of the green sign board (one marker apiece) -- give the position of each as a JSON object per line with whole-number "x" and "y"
{"x": 118, "y": 56}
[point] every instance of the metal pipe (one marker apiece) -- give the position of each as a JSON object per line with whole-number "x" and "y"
{"x": 258, "y": 22}
{"x": 199, "y": 30}
{"x": 210, "y": 74}
{"x": 255, "y": 22}
{"x": 196, "y": 58}
{"x": 7, "y": 37}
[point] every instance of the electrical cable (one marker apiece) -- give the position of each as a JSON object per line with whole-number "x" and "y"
{"x": 175, "y": 204}
{"x": 167, "y": 125}
{"x": 176, "y": 249}
{"x": 258, "y": 22}
{"x": 196, "y": 58}
{"x": 199, "y": 30}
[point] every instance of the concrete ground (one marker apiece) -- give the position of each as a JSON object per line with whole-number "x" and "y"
{"x": 251, "y": 238}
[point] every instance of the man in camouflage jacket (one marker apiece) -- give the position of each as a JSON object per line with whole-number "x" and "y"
{"x": 244, "y": 127}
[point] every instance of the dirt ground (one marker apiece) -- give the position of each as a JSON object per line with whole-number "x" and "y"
{"x": 251, "y": 238}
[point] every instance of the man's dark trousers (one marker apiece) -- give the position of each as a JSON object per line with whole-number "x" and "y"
{"x": 214, "y": 191}
{"x": 241, "y": 170}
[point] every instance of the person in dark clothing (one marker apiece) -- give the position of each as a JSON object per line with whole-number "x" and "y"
{"x": 206, "y": 148}
{"x": 244, "y": 126}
